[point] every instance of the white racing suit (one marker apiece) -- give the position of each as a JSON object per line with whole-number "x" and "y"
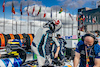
{"x": 41, "y": 45}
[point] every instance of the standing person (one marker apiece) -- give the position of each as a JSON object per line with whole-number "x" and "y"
{"x": 62, "y": 43}
{"x": 96, "y": 33}
{"x": 44, "y": 41}
{"x": 87, "y": 52}
{"x": 98, "y": 38}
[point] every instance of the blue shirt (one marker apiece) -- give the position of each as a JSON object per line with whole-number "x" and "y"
{"x": 94, "y": 53}
{"x": 62, "y": 43}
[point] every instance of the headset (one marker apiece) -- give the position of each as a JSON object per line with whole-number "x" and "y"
{"x": 95, "y": 40}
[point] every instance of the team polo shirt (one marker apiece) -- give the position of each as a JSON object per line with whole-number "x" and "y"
{"x": 93, "y": 52}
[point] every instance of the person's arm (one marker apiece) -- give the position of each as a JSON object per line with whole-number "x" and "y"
{"x": 97, "y": 62}
{"x": 10, "y": 40}
{"x": 58, "y": 47}
{"x": 97, "y": 55}
{"x": 77, "y": 54}
{"x": 76, "y": 59}
{"x": 56, "y": 54}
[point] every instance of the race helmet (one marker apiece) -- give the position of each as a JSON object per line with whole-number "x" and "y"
{"x": 53, "y": 25}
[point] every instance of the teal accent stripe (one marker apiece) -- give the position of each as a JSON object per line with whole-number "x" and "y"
{"x": 45, "y": 44}
{"x": 4, "y": 62}
{"x": 17, "y": 62}
{"x": 39, "y": 44}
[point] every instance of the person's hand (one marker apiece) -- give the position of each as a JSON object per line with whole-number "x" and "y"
{"x": 56, "y": 55}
